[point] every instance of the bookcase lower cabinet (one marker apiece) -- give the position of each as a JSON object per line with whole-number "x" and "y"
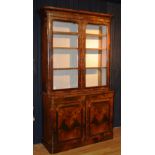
{"x": 77, "y": 121}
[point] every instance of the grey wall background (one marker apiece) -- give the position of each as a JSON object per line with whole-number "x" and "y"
{"x": 110, "y": 6}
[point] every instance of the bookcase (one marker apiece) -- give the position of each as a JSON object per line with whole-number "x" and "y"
{"x": 76, "y": 95}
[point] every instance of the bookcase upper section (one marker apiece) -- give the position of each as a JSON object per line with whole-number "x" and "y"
{"x": 76, "y": 49}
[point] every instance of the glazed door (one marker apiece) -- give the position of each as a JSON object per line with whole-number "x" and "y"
{"x": 65, "y": 51}
{"x": 96, "y": 55}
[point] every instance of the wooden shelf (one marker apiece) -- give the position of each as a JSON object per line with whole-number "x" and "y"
{"x": 95, "y": 67}
{"x": 99, "y": 49}
{"x": 96, "y": 35}
{"x": 76, "y": 48}
{"x": 72, "y": 48}
{"x": 66, "y": 68}
{"x": 78, "y": 68}
{"x": 65, "y": 33}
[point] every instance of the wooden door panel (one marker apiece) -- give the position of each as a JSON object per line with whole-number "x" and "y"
{"x": 99, "y": 117}
{"x": 70, "y": 120}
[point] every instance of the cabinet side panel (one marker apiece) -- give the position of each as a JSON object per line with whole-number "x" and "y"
{"x": 44, "y": 64}
{"x": 47, "y": 140}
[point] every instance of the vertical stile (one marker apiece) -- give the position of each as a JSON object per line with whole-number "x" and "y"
{"x": 108, "y": 54}
{"x": 50, "y": 51}
{"x": 79, "y": 55}
{"x": 83, "y": 55}
{"x": 100, "y": 57}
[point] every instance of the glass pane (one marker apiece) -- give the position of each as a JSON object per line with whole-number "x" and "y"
{"x": 92, "y": 29}
{"x": 104, "y": 58}
{"x": 63, "y": 58}
{"x": 104, "y": 76}
{"x": 92, "y": 77}
{"x": 104, "y": 30}
{"x": 65, "y": 40}
{"x": 92, "y": 42}
{"x": 92, "y": 58}
{"x": 65, "y": 79}
{"x": 65, "y": 26}
{"x": 104, "y": 42}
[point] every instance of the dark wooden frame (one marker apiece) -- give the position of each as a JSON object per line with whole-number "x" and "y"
{"x": 79, "y": 99}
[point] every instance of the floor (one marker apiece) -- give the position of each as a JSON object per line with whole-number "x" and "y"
{"x": 109, "y": 147}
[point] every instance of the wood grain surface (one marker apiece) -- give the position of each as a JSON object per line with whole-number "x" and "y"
{"x": 109, "y": 147}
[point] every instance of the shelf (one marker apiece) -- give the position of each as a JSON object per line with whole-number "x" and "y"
{"x": 72, "y": 48}
{"x": 96, "y": 35}
{"x": 95, "y": 67}
{"x": 66, "y": 68}
{"x": 99, "y": 49}
{"x": 65, "y": 33}
{"x": 78, "y": 68}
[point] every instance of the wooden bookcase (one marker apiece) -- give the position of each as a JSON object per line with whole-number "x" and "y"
{"x": 77, "y": 100}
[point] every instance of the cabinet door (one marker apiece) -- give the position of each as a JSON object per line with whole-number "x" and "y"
{"x": 99, "y": 118}
{"x": 65, "y": 54}
{"x": 69, "y": 119}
